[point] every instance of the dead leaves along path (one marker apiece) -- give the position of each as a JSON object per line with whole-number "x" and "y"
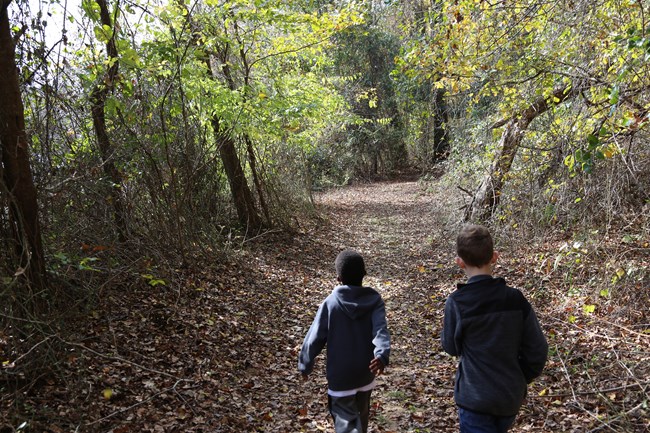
{"x": 216, "y": 349}
{"x": 394, "y": 226}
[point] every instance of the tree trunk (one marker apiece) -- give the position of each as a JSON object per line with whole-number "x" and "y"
{"x": 252, "y": 162}
{"x": 217, "y": 63}
{"x": 98, "y": 100}
{"x": 241, "y": 193}
{"x": 440, "y": 119}
{"x": 487, "y": 196}
{"x": 16, "y": 169}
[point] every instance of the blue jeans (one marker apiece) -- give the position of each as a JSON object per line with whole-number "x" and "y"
{"x": 474, "y": 422}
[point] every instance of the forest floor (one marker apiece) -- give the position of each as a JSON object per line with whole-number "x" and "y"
{"x": 215, "y": 348}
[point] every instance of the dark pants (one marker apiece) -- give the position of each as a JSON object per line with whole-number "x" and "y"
{"x": 350, "y": 413}
{"x": 474, "y": 422}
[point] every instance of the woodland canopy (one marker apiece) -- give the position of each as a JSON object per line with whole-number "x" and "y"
{"x": 142, "y": 139}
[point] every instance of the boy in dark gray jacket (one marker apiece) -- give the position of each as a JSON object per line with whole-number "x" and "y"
{"x": 494, "y": 331}
{"x": 352, "y": 323}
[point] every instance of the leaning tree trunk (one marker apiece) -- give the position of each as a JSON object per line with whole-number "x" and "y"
{"x": 107, "y": 150}
{"x": 16, "y": 170}
{"x": 487, "y": 196}
{"x": 217, "y": 64}
{"x": 241, "y": 193}
{"x": 252, "y": 160}
{"x": 252, "y": 163}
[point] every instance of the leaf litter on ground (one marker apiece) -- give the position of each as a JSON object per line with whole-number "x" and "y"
{"x": 216, "y": 351}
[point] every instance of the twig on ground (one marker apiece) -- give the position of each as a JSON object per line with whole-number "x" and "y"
{"x": 469, "y": 193}
{"x": 15, "y": 362}
{"x": 117, "y": 358}
{"x": 616, "y": 418}
{"x": 597, "y": 391}
{"x": 268, "y": 232}
{"x": 575, "y": 401}
{"x": 126, "y": 409}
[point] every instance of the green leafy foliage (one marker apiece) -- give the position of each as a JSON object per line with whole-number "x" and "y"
{"x": 494, "y": 59}
{"x": 374, "y": 143}
{"x": 153, "y": 281}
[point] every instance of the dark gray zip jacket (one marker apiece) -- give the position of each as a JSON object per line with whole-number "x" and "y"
{"x": 351, "y": 321}
{"x": 494, "y": 331}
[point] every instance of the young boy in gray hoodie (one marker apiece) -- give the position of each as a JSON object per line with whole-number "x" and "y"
{"x": 351, "y": 321}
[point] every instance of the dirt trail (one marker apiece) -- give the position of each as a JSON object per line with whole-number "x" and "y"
{"x": 395, "y": 227}
{"x": 401, "y": 230}
{"x": 406, "y": 232}
{"x": 398, "y": 228}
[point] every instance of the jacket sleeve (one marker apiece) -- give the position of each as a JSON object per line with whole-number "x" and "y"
{"x": 534, "y": 348}
{"x": 451, "y": 331}
{"x": 380, "y": 334}
{"x": 315, "y": 340}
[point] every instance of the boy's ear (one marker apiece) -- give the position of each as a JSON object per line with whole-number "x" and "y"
{"x": 495, "y": 257}
{"x": 460, "y": 263}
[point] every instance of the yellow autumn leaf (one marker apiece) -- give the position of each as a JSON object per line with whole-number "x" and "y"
{"x": 543, "y": 392}
{"x": 107, "y": 393}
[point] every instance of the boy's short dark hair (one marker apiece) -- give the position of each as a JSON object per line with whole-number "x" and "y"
{"x": 474, "y": 245}
{"x": 350, "y": 267}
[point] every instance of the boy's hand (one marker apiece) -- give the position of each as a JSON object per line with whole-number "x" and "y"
{"x": 376, "y": 366}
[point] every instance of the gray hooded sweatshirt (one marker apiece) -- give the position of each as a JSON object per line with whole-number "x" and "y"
{"x": 352, "y": 323}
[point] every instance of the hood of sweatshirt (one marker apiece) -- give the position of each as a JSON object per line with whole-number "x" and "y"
{"x": 356, "y": 301}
